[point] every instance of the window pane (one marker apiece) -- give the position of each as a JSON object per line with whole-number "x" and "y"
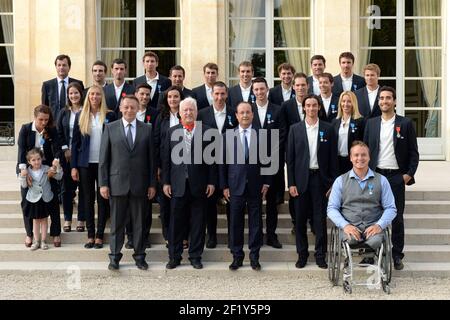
{"x": 117, "y": 34}
{"x": 246, "y": 8}
{"x": 385, "y": 59}
{"x": 7, "y": 96}
{"x": 292, "y": 8}
{"x": 162, "y": 8}
{"x": 298, "y": 58}
{"x": 128, "y": 55}
{"x": 6, "y": 29}
{"x": 291, "y": 33}
{"x": 162, "y": 33}
{"x": 423, "y": 8}
{"x": 422, "y": 93}
{"x": 256, "y": 57}
{"x": 6, "y": 6}
{"x": 386, "y": 8}
{"x": 247, "y": 33}
{"x": 4, "y": 62}
{"x": 116, "y": 8}
{"x": 423, "y": 63}
{"x": 167, "y": 59}
{"x": 427, "y": 123}
{"x": 385, "y": 36}
{"x": 423, "y": 33}
{"x": 390, "y": 83}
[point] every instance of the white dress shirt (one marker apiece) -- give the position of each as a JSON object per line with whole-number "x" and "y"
{"x": 95, "y": 138}
{"x": 372, "y": 96}
{"x": 248, "y": 135}
{"x": 118, "y": 90}
{"x": 343, "y": 138}
{"x": 262, "y": 110}
{"x": 209, "y": 94}
{"x": 173, "y": 119}
{"x": 71, "y": 125}
{"x": 39, "y": 140}
{"x": 313, "y": 132}
{"x": 347, "y": 83}
{"x": 300, "y": 110}
{"x": 245, "y": 92}
{"x": 132, "y": 128}
{"x": 316, "y": 88}
{"x": 326, "y": 102}
{"x": 220, "y": 117}
{"x": 66, "y": 83}
{"x": 140, "y": 115}
{"x": 386, "y": 156}
{"x": 286, "y": 93}
{"x": 154, "y": 84}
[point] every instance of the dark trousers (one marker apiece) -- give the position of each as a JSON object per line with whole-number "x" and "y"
{"x": 211, "y": 214}
{"x": 344, "y": 164}
{"x": 147, "y": 225}
{"x": 237, "y": 223}
{"x": 68, "y": 193}
{"x": 273, "y": 195}
{"x": 55, "y": 225}
{"x": 398, "y": 227}
{"x": 188, "y": 210}
{"x": 123, "y": 208}
{"x": 164, "y": 212}
{"x": 314, "y": 199}
{"x": 90, "y": 189}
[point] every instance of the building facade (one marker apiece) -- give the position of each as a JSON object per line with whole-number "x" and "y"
{"x": 408, "y": 39}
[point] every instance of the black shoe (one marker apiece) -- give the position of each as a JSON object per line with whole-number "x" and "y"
{"x": 321, "y": 263}
{"x": 147, "y": 244}
{"x": 367, "y": 260}
{"x": 129, "y": 245}
{"x": 89, "y": 245}
{"x": 255, "y": 265}
{"x": 196, "y": 263}
{"x": 293, "y": 230}
{"x": 98, "y": 245}
{"x": 301, "y": 262}
{"x": 237, "y": 262}
{"x": 398, "y": 264}
{"x": 142, "y": 265}
{"x": 212, "y": 243}
{"x": 173, "y": 263}
{"x": 113, "y": 266}
{"x": 273, "y": 242}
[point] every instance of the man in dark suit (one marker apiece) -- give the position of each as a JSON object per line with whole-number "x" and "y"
{"x": 127, "y": 177}
{"x": 203, "y": 93}
{"x": 153, "y": 78}
{"x": 244, "y": 186}
{"x": 318, "y": 64}
{"x": 393, "y": 153}
{"x": 98, "y": 70}
{"x": 177, "y": 76}
{"x": 221, "y": 117}
{"x": 188, "y": 181}
{"x": 118, "y": 88}
{"x": 347, "y": 80}
{"x": 54, "y": 91}
{"x": 284, "y": 91}
{"x": 268, "y": 116}
{"x": 243, "y": 90}
{"x": 368, "y": 96}
{"x": 312, "y": 167}
{"x": 330, "y": 101}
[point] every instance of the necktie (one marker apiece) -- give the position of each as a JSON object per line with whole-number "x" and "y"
{"x": 62, "y": 96}
{"x": 188, "y": 135}
{"x": 245, "y": 146}
{"x": 129, "y": 136}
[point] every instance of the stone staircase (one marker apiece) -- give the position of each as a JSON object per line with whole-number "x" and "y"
{"x": 427, "y": 250}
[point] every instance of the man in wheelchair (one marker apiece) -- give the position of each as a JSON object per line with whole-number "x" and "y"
{"x": 361, "y": 203}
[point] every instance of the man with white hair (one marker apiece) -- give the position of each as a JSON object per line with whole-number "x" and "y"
{"x": 188, "y": 181}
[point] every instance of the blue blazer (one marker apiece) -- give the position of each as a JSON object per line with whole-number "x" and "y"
{"x": 358, "y": 82}
{"x": 364, "y": 106}
{"x": 162, "y": 84}
{"x": 355, "y": 130}
{"x": 332, "y": 110}
{"x": 235, "y": 96}
{"x": 199, "y": 94}
{"x": 81, "y": 143}
{"x": 206, "y": 115}
{"x": 110, "y": 96}
{"x": 50, "y": 94}
{"x": 276, "y": 95}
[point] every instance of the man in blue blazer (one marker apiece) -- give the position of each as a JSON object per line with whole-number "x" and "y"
{"x": 203, "y": 93}
{"x": 177, "y": 75}
{"x": 368, "y": 96}
{"x": 284, "y": 91}
{"x": 393, "y": 153}
{"x": 347, "y": 80}
{"x": 54, "y": 91}
{"x": 244, "y": 185}
{"x": 119, "y": 88}
{"x": 318, "y": 64}
{"x": 243, "y": 90}
{"x": 312, "y": 167}
{"x": 153, "y": 78}
{"x": 330, "y": 101}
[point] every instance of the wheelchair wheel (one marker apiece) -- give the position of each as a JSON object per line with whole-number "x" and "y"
{"x": 334, "y": 256}
{"x": 347, "y": 287}
{"x": 386, "y": 287}
{"x": 387, "y": 257}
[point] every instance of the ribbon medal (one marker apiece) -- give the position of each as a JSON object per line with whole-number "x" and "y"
{"x": 159, "y": 88}
{"x": 333, "y": 108}
{"x": 148, "y": 118}
{"x": 269, "y": 117}
{"x": 355, "y": 87}
{"x": 397, "y": 128}
{"x": 229, "y": 121}
{"x": 370, "y": 186}
{"x": 106, "y": 120}
{"x": 321, "y": 136}
{"x": 41, "y": 142}
{"x": 292, "y": 95}
{"x": 352, "y": 126}
{"x": 252, "y": 97}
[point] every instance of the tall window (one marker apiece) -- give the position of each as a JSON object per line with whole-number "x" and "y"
{"x": 268, "y": 33}
{"x": 131, "y": 27}
{"x": 406, "y": 41}
{"x": 6, "y": 73}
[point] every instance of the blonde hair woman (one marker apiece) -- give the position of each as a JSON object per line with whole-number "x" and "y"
{"x": 348, "y": 126}
{"x": 87, "y": 133}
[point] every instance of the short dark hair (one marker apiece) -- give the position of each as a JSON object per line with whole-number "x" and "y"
{"x": 286, "y": 66}
{"x": 150, "y": 54}
{"x": 300, "y": 75}
{"x": 327, "y": 75}
{"x": 211, "y": 65}
{"x": 131, "y": 97}
{"x": 62, "y": 57}
{"x": 313, "y": 96}
{"x": 177, "y": 67}
{"x": 245, "y": 64}
{"x": 260, "y": 80}
{"x": 144, "y": 85}
{"x": 100, "y": 63}
{"x": 244, "y": 102}
{"x": 347, "y": 55}
{"x": 359, "y": 143}
{"x": 118, "y": 61}
{"x": 220, "y": 84}
{"x": 390, "y": 89}
{"x": 318, "y": 57}
{"x": 42, "y": 108}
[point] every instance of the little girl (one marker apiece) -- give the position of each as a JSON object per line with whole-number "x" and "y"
{"x": 40, "y": 198}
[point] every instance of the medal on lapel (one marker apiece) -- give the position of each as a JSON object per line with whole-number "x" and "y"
{"x": 148, "y": 118}
{"x": 252, "y": 98}
{"x": 229, "y": 121}
{"x": 352, "y": 126}
{"x": 41, "y": 143}
{"x": 321, "y": 136}
{"x": 292, "y": 95}
{"x": 269, "y": 117}
{"x": 370, "y": 186}
{"x": 355, "y": 87}
{"x": 333, "y": 108}
{"x": 397, "y": 128}
{"x": 159, "y": 88}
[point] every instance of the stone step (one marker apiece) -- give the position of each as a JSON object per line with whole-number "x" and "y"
{"x": 158, "y": 252}
{"x": 412, "y": 236}
{"x": 311, "y": 271}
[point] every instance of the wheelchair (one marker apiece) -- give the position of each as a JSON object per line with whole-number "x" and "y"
{"x": 381, "y": 270}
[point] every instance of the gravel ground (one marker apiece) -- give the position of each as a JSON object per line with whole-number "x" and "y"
{"x": 48, "y": 286}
